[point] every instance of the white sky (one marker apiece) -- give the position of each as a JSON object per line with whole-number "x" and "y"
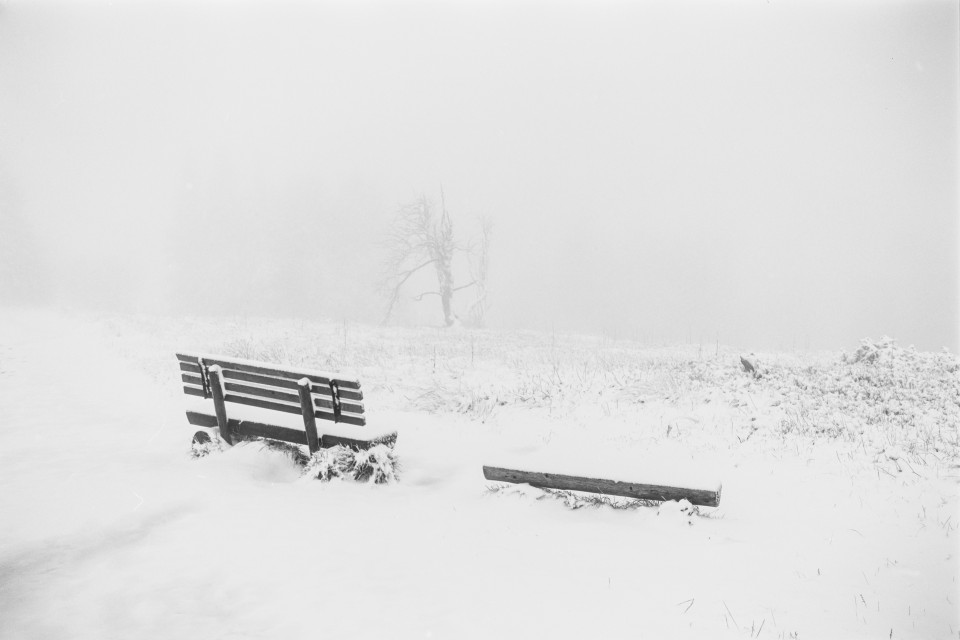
{"x": 779, "y": 173}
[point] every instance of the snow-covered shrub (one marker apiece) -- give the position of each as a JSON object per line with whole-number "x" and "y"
{"x": 203, "y": 444}
{"x": 879, "y": 396}
{"x": 294, "y": 452}
{"x": 869, "y": 351}
{"x": 882, "y": 394}
{"x": 377, "y": 464}
{"x": 327, "y": 464}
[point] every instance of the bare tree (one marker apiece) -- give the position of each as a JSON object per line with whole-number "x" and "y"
{"x": 419, "y": 239}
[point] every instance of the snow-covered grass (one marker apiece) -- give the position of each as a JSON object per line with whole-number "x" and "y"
{"x": 883, "y": 398}
{"x": 838, "y": 516}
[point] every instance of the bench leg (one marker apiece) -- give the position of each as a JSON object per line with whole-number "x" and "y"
{"x": 216, "y": 387}
{"x": 309, "y": 418}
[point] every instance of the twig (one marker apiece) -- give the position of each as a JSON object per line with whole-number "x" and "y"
{"x": 437, "y": 293}
{"x": 731, "y": 615}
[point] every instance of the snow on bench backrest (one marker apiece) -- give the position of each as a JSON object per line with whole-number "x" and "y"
{"x": 268, "y": 386}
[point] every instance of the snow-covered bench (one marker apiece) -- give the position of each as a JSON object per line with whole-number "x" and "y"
{"x": 270, "y": 397}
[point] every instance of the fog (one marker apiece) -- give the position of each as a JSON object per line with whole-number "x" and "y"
{"x": 766, "y": 174}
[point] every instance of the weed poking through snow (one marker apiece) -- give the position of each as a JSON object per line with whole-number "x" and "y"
{"x": 203, "y": 444}
{"x": 378, "y": 464}
{"x": 574, "y": 500}
{"x": 294, "y": 452}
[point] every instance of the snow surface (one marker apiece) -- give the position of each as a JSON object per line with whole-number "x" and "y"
{"x": 111, "y": 530}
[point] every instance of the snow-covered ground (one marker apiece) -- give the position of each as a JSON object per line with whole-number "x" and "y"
{"x": 838, "y": 518}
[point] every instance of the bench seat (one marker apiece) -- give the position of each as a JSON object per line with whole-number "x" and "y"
{"x": 251, "y": 422}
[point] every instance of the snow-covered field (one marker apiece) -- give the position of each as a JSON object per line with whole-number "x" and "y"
{"x": 838, "y": 518}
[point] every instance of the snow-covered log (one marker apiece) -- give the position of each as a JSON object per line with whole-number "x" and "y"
{"x": 703, "y": 497}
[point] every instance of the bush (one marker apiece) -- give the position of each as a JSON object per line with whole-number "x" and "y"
{"x": 378, "y": 464}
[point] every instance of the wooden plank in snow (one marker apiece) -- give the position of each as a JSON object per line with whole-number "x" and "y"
{"x": 703, "y": 497}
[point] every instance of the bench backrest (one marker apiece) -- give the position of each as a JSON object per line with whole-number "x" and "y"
{"x": 259, "y": 384}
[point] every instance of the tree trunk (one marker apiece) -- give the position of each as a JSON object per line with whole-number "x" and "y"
{"x": 445, "y": 267}
{"x": 446, "y": 298}
{"x": 445, "y": 276}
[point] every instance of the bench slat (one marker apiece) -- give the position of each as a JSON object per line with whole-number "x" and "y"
{"x": 345, "y": 407}
{"x": 193, "y": 391}
{"x": 261, "y": 392}
{"x": 190, "y": 368}
{"x": 272, "y": 381}
{"x": 349, "y": 407}
{"x": 263, "y": 404}
{"x": 285, "y": 383}
{"x": 345, "y": 418}
{"x": 294, "y": 409}
{"x": 189, "y": 379}
{"x": 253, "y": 429}
{"x": 251, "y": 366}
{"x": 250, "y": 428}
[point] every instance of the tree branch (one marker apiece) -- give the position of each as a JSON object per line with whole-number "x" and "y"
{"x": 407, "y": 274}
{"x": 437, "y": 293}
{"x": 395, "y": 296}
{"x": 463, "y": 286}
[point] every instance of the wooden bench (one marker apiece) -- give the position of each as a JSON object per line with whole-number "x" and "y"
{"x": 311, "y": 394}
